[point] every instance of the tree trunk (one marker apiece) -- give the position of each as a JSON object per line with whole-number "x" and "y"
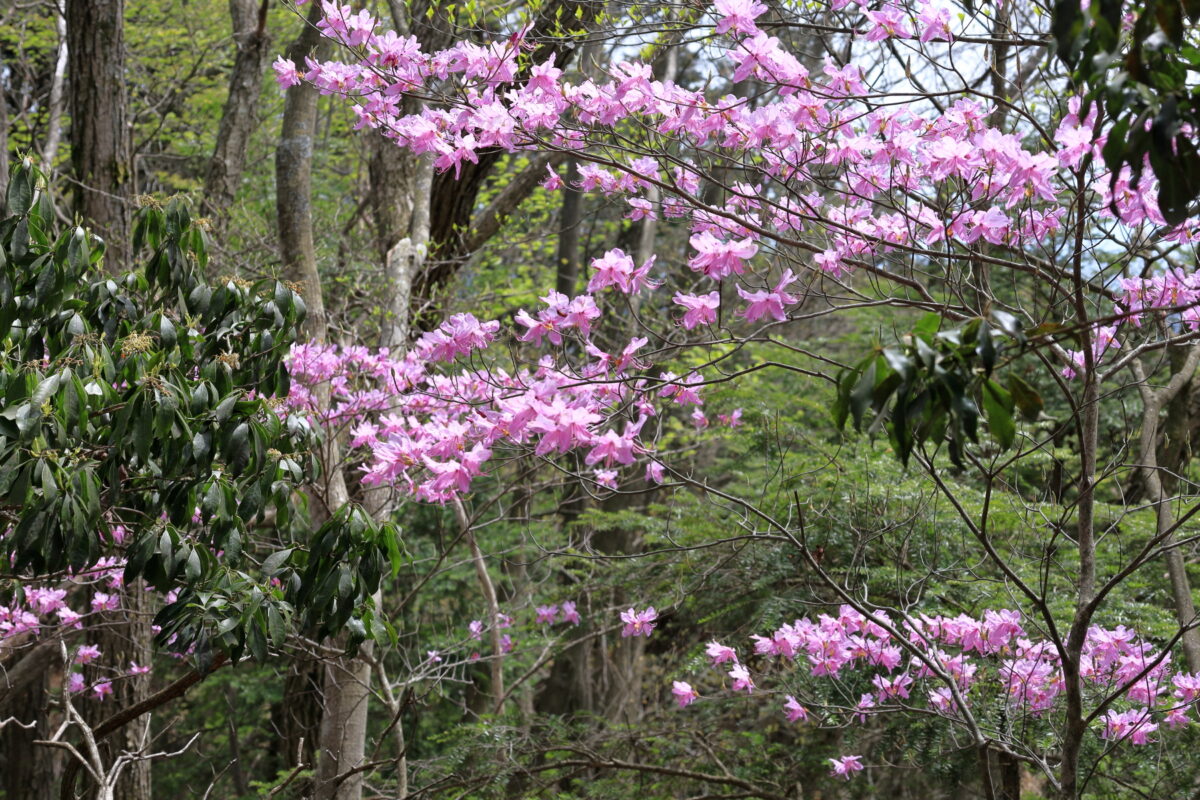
{"x": 296, "y": 719}
{"x": 343, "y": 728}
{"x": 54, "y": 121}
{"x": 124, "y": 636}
{"x": 566, "y": 278}
{"x": 30, "y": 770}
{"x": 347, "y": 681}
{"x": 293, "y": 180}
{"x": 3, "y": 148}
{"x": 101, "y": 144}
{"x": 1153, "y": 401}
{"x": 228, "y": 161}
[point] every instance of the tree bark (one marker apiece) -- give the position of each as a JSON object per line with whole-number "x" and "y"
{"x": 566, "y": 278}
{"x": 28, "y": 769}
{"x": 54, "y": 121}
{"x": 224, "y": 175}
{"x": 293, "y": 180}
{"x": 296, "y": 719}
{"x": 124, "y": 636}
{"x": 101, "y": 144}
{"x": 343, "y": 728}
{"x": 347, "y": 681}
{"x": 1153, "y": 402}
{"x": 3, "y": 149}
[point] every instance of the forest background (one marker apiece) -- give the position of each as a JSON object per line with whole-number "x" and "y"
{"x": 991, "y": 434}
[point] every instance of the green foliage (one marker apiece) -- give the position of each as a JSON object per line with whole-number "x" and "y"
{"x": 1146, "y": 81}
{"x": 934, "y": 384}
{"x": 148, "y": 405}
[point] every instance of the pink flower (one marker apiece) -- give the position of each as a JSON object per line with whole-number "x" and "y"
{"x": 546, "y": 615}
{"x": 737, "y": 15}
{"x": 475, "y": 628}
{"x": 569, "y": 614}
{"x": 718, "y": 258}
{"x": 44, "y": 601}
{"x": 433, "y": 656}
{"x": 654, "y": 472}
{"x": 69, "y": 617}
{"x": 606, "y": 478}
{"x": 890, "y": 22}
{"x": 934, "y": 22}
{"x": 76, "y": 683}
{"x": 685, "y": 695}
{"x": 286, "y": 73}
{"x": 1134, "y": 725}
{"x": 87, "y": 654}
{"x": 615, "y": 268}
{"x": 506, "y": 643}
{"x": 719, "y": 653}
{"x": 892, "y": 687}
{"x": 741, "y": 679}
{"x": 638, "y": 623}
{"x": 553, "y": 181}
{"x": 865, "y": 703}
{"x": 845, "y": 766}
{"x": 701, "y": 308}
{"x": 733, "y": 419}
{"x": 763, "y": 303}
{"x": 136, "y": 669}
{"x": 1177, "y": 717}
{"x": 102, "y": 689}
{"x": 795, "y": 711}
{"x": 103, "y": 601}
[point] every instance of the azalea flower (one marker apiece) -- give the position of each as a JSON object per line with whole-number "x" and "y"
{"x": 737, "y": 16}
{"x": 845, "y": 766}
{"x": 719, "y": 653}
{"x": 638, "y": 623}
{"x": 795, "y": 711}
{"x": 741, "y": 679}
{"x": 685, "y": 695}
{"x": 701, "y": 308}
{"x": 86, "y": 654}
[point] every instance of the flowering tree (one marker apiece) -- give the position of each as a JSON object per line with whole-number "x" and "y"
{"x": 1031, "y": 289}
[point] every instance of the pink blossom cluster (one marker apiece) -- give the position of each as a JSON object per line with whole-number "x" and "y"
{"x": 948, "y": 656}
{"x": 816, "y": 123}
{"x": 891, "y": 168}
{"x": 431, "y": 433}
{"x": 553, "y": 614}
{"x": 36, "y": 610}
{"x": 565, "y": 613}
{"x": 46, "y": 610}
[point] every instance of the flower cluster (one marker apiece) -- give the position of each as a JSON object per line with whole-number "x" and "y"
{"x": 943, "y": 660}
{"x": 891, "y": 166}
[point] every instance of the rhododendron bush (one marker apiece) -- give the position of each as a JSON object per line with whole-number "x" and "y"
{"x": 141, "y": 437}
{"x": 1019, "y": 271}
